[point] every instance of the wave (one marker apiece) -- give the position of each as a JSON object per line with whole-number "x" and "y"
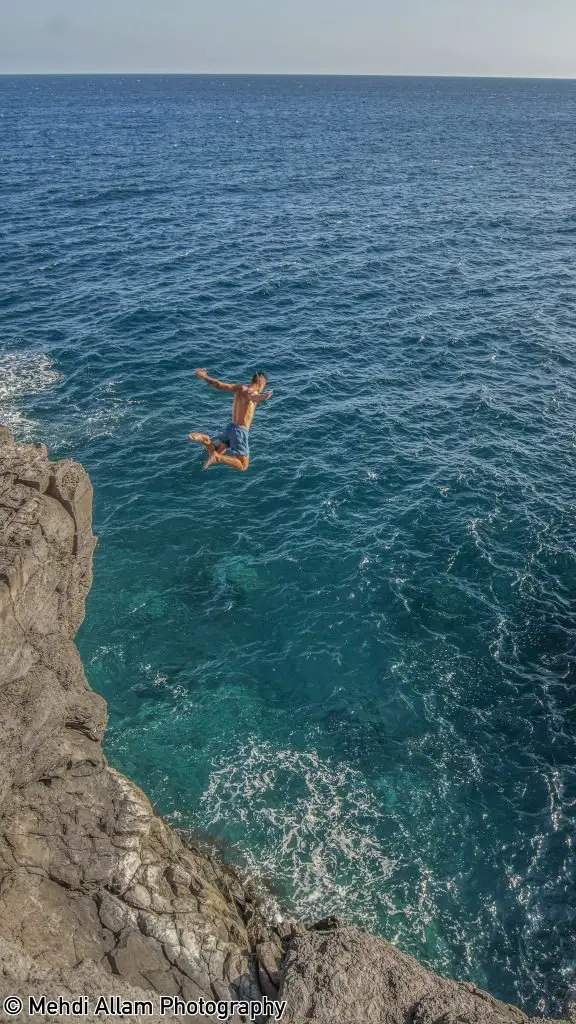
{"x": 21, "y": 376}
{"x": 312, "y": 823}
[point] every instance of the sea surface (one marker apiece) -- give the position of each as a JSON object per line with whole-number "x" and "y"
{"x": 353, "y": 666}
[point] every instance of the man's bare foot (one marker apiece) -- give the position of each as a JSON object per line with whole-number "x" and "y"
{"x": 203, "y": 438}
{"x": 212, "y": 458}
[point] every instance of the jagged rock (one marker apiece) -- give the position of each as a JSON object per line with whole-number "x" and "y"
{"x": 327, "y": 924}
{"x": 346, "y": 975}
{"x": 20, "y": 975}
{"x": 270, "y": 955}
{"x": 88, "y": 873}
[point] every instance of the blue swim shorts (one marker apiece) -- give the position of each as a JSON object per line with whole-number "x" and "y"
{"x": 235, "y": 438}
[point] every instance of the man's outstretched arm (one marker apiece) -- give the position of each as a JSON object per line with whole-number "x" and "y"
{"x": 218, "y": 384}
{"x": 263, "y": 397}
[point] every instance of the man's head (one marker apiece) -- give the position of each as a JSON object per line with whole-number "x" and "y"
{"x": 259, "y": 380}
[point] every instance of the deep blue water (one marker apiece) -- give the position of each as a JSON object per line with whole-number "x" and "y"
{"x": 353, "y": 664}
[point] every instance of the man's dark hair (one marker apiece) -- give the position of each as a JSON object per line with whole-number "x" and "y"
{"x": 257, "y": 375}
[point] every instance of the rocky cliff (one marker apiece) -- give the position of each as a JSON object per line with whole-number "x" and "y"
{"x": 97, "y": 894}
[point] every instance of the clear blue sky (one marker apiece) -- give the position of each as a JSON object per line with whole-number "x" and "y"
{"x": 442, "y": 37}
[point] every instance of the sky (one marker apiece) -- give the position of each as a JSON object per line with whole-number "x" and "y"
{"x": 519, "y": 38}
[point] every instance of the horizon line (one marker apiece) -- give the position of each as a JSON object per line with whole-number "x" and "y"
{"x": 285, "y": 74}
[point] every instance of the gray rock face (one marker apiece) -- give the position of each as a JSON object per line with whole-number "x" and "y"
{"x": 97, "y": 894}
{"x": 88, "y": 873}
{"x": 346, "y": 975}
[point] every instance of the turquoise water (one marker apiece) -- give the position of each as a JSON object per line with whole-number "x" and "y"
{"x": 353, "y": 665}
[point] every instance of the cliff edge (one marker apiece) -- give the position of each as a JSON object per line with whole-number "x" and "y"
{"x": 97, "y": 894}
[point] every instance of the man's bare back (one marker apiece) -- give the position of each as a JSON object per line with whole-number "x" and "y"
{"x": 235, "y": 436}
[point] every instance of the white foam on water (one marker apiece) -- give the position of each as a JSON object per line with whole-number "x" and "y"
{"x": 102, "y": 414}
{"x": 105, "y": 419}
{"x": 21, "y": 376}
{"x": 308, "y": 824}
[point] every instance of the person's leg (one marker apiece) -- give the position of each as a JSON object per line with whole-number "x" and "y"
{"x": 210, "y": 445}
{"x": 204, "y": 439}
{"x": 239, "y": 462}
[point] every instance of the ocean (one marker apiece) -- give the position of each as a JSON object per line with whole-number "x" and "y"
{"x": 352, "y": 666}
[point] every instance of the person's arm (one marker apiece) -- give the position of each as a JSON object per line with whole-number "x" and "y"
{"x": 218, "y": 384}
{"x": 262, "y": 397}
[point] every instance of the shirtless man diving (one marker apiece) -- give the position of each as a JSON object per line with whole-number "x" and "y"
{"x": 235, "y": 437}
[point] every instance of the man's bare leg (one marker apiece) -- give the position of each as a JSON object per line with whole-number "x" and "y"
{"x": 218, "y": 448}
{"x": 204, "y": 439}
{"x": 240, "y": 462}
